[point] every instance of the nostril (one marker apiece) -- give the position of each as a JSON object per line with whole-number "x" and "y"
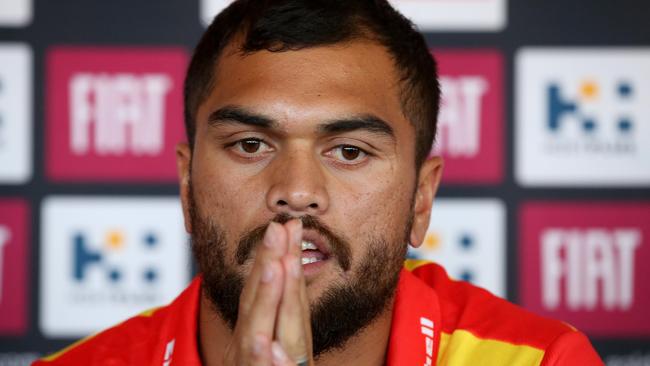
{"x": 282, "y": 203}
{"x": 313, "y": 205}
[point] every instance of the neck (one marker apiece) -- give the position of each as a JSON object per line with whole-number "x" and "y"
{"x": 366, "y": 348}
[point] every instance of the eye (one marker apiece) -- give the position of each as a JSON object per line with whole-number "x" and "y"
{"x": 251, "y": 146}
{"x": 348, "y": 154}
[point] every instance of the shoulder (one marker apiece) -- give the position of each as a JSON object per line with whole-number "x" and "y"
{"x": 475, "y": 321}
{"x": 148, "y": 338}
{"x": 126, "y": 343}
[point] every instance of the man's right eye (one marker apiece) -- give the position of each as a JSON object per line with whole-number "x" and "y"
{"x": 251, "y": 146}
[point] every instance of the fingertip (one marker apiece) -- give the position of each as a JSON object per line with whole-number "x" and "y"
{"x": 269, "y": 235}
{"x": 274, "y": 235}
{"x": 294, "y": 227}
{"x": 298, "y": 223}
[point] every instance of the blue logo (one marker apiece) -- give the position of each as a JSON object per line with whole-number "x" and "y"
{"x": 589, "y": 92}
{"x": 463, "y": 248}
{"x": 114, "y": 243}
{"x": 467, "y": 243}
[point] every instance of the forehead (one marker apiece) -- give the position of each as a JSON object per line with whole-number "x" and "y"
{"x": 309, "y": 84}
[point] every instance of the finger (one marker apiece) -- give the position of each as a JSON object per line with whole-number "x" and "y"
{"x": 273, "y": 248}
{"x": 259, "y": 324}
{"x": 306, "y": 315}
{"x": 280, "y": 357}
{"x": 294, "y": 233}
{"x": 262, "y": 353}
{"x": 289, "y": 330}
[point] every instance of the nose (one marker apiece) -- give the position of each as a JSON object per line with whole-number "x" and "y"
{"x": 297, "y": 185}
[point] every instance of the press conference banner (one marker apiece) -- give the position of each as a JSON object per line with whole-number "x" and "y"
{"x": 544, "y": 127}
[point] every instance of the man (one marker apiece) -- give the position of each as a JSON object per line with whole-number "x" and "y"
{"x": 305, "y": 176}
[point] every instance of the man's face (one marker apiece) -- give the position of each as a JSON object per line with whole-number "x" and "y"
{"x": 316, "y": 133}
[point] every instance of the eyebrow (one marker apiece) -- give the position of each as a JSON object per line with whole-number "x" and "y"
{"x": 366, "y": 122}
{"x": 239, "y": 115}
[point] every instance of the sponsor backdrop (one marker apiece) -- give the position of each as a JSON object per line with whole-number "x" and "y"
{"x": 545, "y": 128}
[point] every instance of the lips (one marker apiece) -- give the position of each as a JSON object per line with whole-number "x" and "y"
{"x": 314, "y": 248}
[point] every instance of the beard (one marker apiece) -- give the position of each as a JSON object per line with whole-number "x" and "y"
{"x": 341, "y": 311}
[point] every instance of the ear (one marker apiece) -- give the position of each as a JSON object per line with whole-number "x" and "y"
{"x": 183, "y": 161}
{"x": 427, "y": 186}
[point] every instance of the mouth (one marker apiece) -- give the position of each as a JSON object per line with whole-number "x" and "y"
{"x": 314, "y": 250}
{"x": 310, "y": 253}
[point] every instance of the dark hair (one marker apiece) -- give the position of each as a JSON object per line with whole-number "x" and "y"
{"x": 288, "y": 25}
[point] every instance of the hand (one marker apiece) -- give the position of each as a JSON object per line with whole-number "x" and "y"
{"x": 273, "y": 326}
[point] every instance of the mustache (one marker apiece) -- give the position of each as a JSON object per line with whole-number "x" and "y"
{"x": 339, "y": 248}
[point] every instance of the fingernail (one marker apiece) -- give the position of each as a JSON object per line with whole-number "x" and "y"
{"x": 271, "y": 235}
{"x": 267, "y": 273}
{"x": 279, "y": 356}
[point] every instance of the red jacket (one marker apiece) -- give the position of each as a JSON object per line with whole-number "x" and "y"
{"x": 436, "y": 321}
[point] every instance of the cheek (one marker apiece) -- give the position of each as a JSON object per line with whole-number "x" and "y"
{"x": 380, "y": 212}
{"x": 230, "y": 200}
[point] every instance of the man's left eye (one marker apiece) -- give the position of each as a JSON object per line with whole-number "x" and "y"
{"x": 348, "y": 153}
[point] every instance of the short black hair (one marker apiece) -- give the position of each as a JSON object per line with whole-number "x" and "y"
{"x": 289, "y": 25}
